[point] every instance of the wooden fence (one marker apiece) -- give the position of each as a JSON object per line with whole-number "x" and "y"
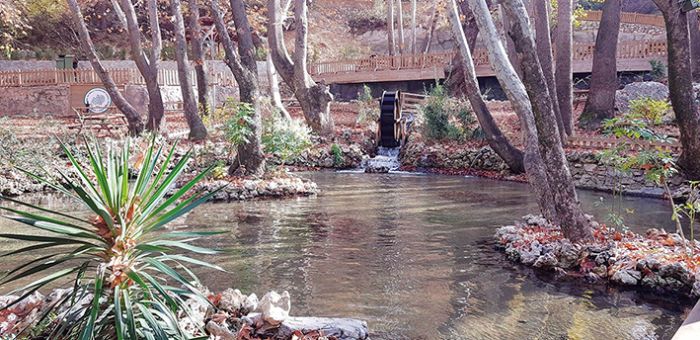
{"x": 88, "y": 76}
{"x": 581, "y": 52}
{"x": 628, "y": 18}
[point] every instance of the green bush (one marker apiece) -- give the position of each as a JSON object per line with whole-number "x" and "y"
{"x": 284, "y": 138}
{"x": 337, "y": 154}
{"x": 658, "y": 70}
{"x": 652, "y": 111}
{"x": 121, "y": 256}
{"x": 368, "y": 107}
{"x": 238, "y": 121}
{"x": 445, "y": 117}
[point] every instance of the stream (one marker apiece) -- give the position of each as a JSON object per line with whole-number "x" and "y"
{"x": 413, "y": 255}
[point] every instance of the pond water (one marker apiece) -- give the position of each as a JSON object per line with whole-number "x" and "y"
{"x": 414, "y": 256}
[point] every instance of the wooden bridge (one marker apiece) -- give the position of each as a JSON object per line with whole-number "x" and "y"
{"x": 631, "y": 56}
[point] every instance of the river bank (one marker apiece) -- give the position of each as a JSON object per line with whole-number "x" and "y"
{"x": 657, "y": 260}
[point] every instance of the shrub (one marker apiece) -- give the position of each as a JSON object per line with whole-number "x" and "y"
{"x": 658, "y": 70}
{"x": 337, "y": 154}
{"x": 650, "y": 110}
{"x": 284, "y": 138}
{"x": 119, "y": 258}
{"x": 445, "y": 117}
{"x": 368, "y": 107}
{"x": 239, "y": 118}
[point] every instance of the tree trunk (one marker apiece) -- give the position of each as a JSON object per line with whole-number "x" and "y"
{"x": 694, "y": 30}
{"x": 197, "y": 130}
{"x": 600, "y": 104}
{"x": 399, "y": 7}
{"x": 544, "y": 52}
{"x": 390, "y": 27}
{"x": 148, "y": 66}
{"x": 413, "y": 27}
{"x": 680, "y": 85}
{"x": 510, "y": 45}
{"x": 564, "y": 71}
{"x": 132, "y": 116}
{"x": 250, "y": 159}
{"x": 200, "y": 65}
{"x": 275, "y": 88}
{"x": 431, "y": 30}
{"x": 498, "y": 142}
{"x": 569, "y": 215}
{"x": 314, "y": 98}
{"x": 515, "y": 91}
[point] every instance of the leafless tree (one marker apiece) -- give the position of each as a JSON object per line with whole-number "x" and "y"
{"x": 390, "y": 23}
{"x": 543, "y": 39}
{"x": 413, "y": 27}
{"x": 694, "y": 29}
{"x": 148, "y": 65}
{"x": 680, "y": 85}
{"x": 249, "y": 158}
{"x": 432, "y": 24}
{"x": 399, "y": 7}
{"x": 314, "y": 98}
{"x": 200, "y": 65}
{"x": 545, "y": 162}
{"x": 601, "y": 98}
{"x": 132, "y": 116}
{"x": 498, "y": 142}
{"x": 563, "y": 80}
{"x": 197, "y": 130}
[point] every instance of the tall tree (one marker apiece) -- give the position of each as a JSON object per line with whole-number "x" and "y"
{"x": 694, "y": 29}
{"x": 569, "y": 215}
{"x": 399, "y": 7}
{"x": 197, "y": 130}
{"x": 497, "y": 141}
{"x": 545, "y": 162}
{"x": 148, "y": 65}
{"x": 200, "y": 65}
{"x": 541, "y": 9}
{"x": 563, "y": 80}
{"x": 390, "y": 27}
{"x": 432, "y": 24}
{"x": 133, "y": 118}
{"x": 413, "y": 27}
{"x": 680, "y": 85}
{"x": 600, "y": 104}
{"x": 249, "y": 157}
{"x": 518, "y": 97}
{"x": 314, "y": 98}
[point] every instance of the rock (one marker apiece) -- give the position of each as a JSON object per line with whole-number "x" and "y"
{"x": 535, "y": 220}
{"x": 275, "y": 307}
{"x": 340, "y": 328}
{"x": 547, "y": 260}
{"x": 232, "y": 300}
{"x": 219, "y": 332}
{"x": 569, "y": 254}
{"x": 531, "y": 255}
{"x": 648, "y": 89}
{"x": 626, "y": 276}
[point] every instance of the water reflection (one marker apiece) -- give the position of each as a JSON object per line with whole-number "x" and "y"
{"x": 414, "y": 256}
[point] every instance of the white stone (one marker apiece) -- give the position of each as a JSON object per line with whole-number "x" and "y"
{"x": 275, "y": 307}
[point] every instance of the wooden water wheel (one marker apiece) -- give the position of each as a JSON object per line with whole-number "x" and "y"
{"x": 390, "y": 129}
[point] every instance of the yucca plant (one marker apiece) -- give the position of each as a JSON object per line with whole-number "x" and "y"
{"x": 132, "y": 272}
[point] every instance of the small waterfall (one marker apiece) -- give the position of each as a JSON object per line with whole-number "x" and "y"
{"x": 387, "y": 159}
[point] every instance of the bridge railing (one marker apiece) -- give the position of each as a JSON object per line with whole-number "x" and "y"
{"x": 88, "y": 76}
{"x": 380, "y": 63}
{"x": 581, "y": 52}
{"x": 628, "y": 18}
